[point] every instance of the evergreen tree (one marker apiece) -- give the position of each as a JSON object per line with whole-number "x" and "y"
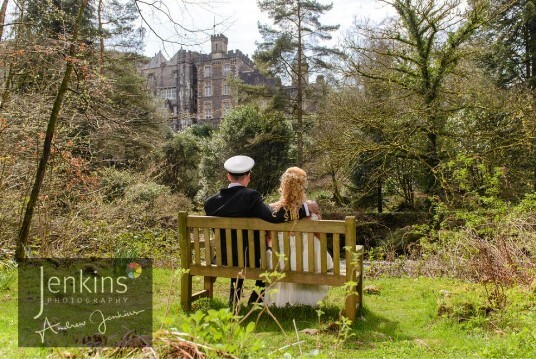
{"x": 292, "y": 50}
{"x": 511, "y": 59}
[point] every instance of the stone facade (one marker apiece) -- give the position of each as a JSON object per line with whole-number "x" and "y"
{"x": 196, "y": 87}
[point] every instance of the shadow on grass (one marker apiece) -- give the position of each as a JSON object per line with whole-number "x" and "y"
{"x": 370, "y": 328}
{"x": 304, "y": 316}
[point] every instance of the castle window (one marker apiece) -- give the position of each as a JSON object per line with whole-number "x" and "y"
{"x": 226, "y": 69}
{"x": 168, "y": 93}
{"x": 226, "y": 107}
{"x": 151, "y": 81}
{"x": 208, "y": 110}
{"x": 208, "y": 89}
{"x": 208, "y": 71}
{"x": 226, "y": 88}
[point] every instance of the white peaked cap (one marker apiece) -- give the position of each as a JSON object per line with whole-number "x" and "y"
{"x": 239, "y": 164}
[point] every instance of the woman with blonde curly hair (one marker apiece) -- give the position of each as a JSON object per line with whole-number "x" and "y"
{"x": 292, "y": 190}
{"x": 293, "y": 196}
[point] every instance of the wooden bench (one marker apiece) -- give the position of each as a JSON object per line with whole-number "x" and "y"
{"x": 196, "y": 232}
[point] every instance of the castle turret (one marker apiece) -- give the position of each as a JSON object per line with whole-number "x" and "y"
{"x": 219, "y": 45}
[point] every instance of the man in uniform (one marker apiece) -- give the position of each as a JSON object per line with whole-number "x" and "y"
{"x": 239, "y": 201}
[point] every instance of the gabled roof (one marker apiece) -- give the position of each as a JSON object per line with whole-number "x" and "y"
{"x": 156, "y": 61}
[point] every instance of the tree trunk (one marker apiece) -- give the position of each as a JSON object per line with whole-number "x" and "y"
{"x": 3, "y": 10}
{"x": 432, "y": 161}
{"x": 24, "y": 232}
{"x": 380, "y": 196}
{"x": 5, "y": 93}
{"x": 336, "y": 193}
{"x": 299, "y": 95}
{"x": 101, "y": 39}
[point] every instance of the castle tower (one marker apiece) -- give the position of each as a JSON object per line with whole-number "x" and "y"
{"x": 219, "y": 44}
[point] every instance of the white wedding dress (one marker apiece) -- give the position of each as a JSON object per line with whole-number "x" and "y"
{"x": 281, "y": 293}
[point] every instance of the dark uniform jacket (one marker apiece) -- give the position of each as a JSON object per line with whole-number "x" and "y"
{"x": 240, "y": 201}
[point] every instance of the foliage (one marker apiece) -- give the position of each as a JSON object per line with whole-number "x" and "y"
{"x": 246, "y": 131}
{"x": 220, "y": 332}
{"x": 102, "y": 115}
{"x": 295, "y": 36}
{"x": 8, "y": 270}
{"x": 512, "y": 49}
{"x": 114, "y": 183}
{"x": 145, "y": 192}
{"x": 202, "y": 131}
{"x": 179, "y": 164}
{"x": 156, "y": 243}
{"x": 401, "y": 92}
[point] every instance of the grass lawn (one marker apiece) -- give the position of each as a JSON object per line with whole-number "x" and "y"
{"x": 407, "y": 317}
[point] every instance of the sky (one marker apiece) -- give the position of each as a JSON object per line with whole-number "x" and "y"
{"x": 237, "y": 20}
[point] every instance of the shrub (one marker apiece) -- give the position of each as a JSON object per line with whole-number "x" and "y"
{"x": 114, "y": 183}
{"x": 246, "y": 131}
{"x": 180, "y": 164}
{"x": 145, "y": 192}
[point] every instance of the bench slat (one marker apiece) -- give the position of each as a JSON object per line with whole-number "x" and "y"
{"x": 229, "y": 247}
{"x": 218, "y": 247}
{"x": 299, "y": 251}
{"x": 208, "y": 246}
{"x": 286, "y": 250}
{"x": 323, "y": 253}
{"x": 263, "y": 249}
{"x": 304, "y": 225}
{"x": 197, "y": 251}
{"x": 240, "y": 239}
{"x": 311, "y": 252}
{"x": 251, "y": 249}
{"x": 275, "y": 250}
{"x": 336, "y": 254}
{"x": 255, "y": 273}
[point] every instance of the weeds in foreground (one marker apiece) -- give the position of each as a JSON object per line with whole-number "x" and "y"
{"x": 7, "y": 274}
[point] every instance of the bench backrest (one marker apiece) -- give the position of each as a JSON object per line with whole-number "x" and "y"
{"x": 200, "y": 236}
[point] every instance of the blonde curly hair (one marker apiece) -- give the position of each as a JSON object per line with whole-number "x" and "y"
{"x": 292, "y": 190}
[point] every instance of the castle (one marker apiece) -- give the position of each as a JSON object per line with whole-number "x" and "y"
{"x": 196, "y": 87}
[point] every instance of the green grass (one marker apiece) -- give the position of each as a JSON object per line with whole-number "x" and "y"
{"x": 409, "y": 318}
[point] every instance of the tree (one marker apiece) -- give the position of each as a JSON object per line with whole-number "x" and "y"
{"x": 97, "y": 118}
{"x": 292, "y": 50}
{"x": 3, "y": 10}
{"x": 56, "y": 19}
{"x": 246, "y": 131}
{"x": 180, "y": 164}
{"x": 24, "y": 232}
{"x": 511, "y": 58}
{"x": 417, "y": 57}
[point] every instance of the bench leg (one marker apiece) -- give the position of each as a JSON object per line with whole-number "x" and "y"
{"x": 209, "y": 286}
{"x": 354, "y": 299}
{"x": 186, "y": 291}
{"x": 360, "y": 290}
{"x": 351, "y": 305}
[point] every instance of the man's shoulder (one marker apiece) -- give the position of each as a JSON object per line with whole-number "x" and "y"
{"x": 226, "y": 193}
{"x": 237, "y": 189}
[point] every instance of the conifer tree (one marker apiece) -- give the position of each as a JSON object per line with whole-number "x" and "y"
{"x": 292, "y": 49}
